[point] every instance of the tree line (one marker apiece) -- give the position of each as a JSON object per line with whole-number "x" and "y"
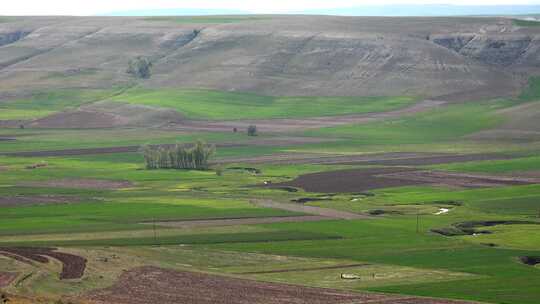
{"x": 178, "y": 156}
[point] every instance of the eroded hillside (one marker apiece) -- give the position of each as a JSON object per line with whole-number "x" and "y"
{"x": 454, "y": 58}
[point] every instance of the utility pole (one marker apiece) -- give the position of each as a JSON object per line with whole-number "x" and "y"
{"x": 155, "y": 233}
{"x": 417, "y": 221}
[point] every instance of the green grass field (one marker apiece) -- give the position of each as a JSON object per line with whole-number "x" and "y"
{"x": 219, "y": 105}
{"x": 402, "y": 253}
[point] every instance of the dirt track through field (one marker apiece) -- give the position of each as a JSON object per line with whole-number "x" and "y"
{"x": 20, "y": 200}
{"x": 260, "y": 142}
{"x": 80, "y": 184}
{"x": 242, "y": 221}
{"x": 329, "y": 213}
{"x": 149, "y": 285}
{"x": 315, "y": 214}
{"x": 288, "y": 125}
{"x": 307, "y": 269}
{"x": 383, "y": 159}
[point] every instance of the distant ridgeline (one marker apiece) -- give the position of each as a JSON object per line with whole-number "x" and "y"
{"x": 364, "y": 10}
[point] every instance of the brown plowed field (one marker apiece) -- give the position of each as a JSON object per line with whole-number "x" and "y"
{"x": 345, "y": 181}
{"x": 358, "y": 180}
{"x": 150, "y": 285}
{"x": 462, "y": 179}
{"x": 73, "y": 266}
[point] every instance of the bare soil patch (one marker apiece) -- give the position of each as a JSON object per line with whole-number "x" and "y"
{"x": 73, "y": 266}
{"x": 461, "y": 179}
{"x": 23, "y": 200}
{"x": 81, "y": 184}
{"x": 346, "y": 181}
{"x": 358, "y": 180}
{"x": 242, "y": 221}
{"x": 7, "y": 277}
{"x": 145, "y": 285}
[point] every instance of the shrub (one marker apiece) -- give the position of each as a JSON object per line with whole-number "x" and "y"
{"x": 252, "y": 130}
{"x": 178, "y": 156}
{"x": 140, "y": 67}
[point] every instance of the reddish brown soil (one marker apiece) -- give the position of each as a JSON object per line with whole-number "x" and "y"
{"x": 149, "y": 285}
{"x": 20, "y": 200}
{"x": 72, "y": 265}
{"x": 345, "y": 181}
{"x": 7, "y": 277}
{"x": 80, "y": 183}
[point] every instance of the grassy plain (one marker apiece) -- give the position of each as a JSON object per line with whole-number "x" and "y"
{"x": 402, "y": 253}
{"x": 219, "y": 105}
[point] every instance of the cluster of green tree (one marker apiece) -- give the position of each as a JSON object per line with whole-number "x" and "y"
{"x": 140, "y": 67}
{"x": 178, "y": 156}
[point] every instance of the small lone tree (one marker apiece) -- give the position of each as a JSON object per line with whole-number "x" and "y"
{"x": 140, "y": 67}
{"x": 252, "y": 130}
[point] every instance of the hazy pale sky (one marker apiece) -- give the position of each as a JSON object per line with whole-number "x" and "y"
{"x": 94, "y": 7}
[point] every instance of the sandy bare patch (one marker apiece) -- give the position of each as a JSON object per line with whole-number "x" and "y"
{"x": 81, "y": 183}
